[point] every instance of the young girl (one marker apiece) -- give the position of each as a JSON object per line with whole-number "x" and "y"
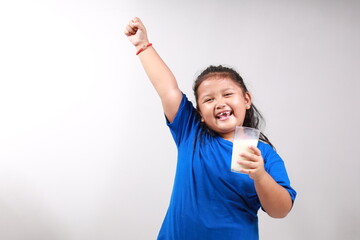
{"x": 208, "y": 200}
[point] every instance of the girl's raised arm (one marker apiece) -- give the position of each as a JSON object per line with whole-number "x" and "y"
{"x": 159, "y": 74}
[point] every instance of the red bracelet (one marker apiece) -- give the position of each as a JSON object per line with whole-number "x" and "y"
{"x": 143, "y": 48}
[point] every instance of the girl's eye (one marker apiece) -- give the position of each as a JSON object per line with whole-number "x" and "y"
{"x": 228, "y": 94}
{"x": 207, "y": 100}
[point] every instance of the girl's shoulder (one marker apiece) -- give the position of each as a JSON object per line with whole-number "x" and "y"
{"x": 266, "y": 149}
{"x": 264, "y": 145}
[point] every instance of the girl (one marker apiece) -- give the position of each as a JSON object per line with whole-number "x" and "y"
{"x": 208, "y": 200}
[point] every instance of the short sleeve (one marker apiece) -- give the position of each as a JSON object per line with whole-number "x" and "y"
{"x": 275, "y": 166}
{"x": 185, "y": 122}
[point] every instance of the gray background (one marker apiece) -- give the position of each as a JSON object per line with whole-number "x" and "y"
{"x": 84, "y": 150}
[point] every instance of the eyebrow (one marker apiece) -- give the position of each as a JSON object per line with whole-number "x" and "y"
{"x": 205, "y": 96}
{"x": 209, "y": 94}
{"x": 226, "y": 89}
{"x": 223, "y": 90}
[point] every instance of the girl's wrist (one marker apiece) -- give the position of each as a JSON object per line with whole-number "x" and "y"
{"x": 143, "y": 48}
{"x": 141, "y": 45}
{"x": 262, "y": 176}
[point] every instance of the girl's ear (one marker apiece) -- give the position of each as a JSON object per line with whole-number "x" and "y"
{"x": 248, "y": 100}
{"x": 201, "y": 119}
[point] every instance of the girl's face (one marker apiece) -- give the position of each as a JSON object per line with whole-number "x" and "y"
{"x": 222, "y": 105}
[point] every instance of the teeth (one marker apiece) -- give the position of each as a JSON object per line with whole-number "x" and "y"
{"x": 224, "y": 113}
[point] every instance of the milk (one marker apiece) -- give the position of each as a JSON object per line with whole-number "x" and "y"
{"x": 241, "y": 146}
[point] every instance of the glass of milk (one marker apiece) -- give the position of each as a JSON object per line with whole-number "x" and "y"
{"x": 243, "y": 138}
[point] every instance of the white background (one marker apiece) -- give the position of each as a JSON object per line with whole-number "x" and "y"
{"x": 84, "y": 149}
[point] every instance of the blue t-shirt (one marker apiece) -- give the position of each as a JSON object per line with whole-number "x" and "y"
{"x": 208, "y": 200}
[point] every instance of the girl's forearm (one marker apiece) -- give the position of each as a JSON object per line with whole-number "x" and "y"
{"x": 157, "y": 71}
{"x": 163, "y": 81}
{"x": 274, "y": 198}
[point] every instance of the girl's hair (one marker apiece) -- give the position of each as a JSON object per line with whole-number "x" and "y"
{"x": 253, "y": 117}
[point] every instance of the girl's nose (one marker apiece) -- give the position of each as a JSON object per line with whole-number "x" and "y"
{"x": 220, "y": 106}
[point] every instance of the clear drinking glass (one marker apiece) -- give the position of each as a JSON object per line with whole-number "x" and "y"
{"x": 243, "y": 138}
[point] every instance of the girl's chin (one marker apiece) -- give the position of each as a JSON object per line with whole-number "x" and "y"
{"x": 226, "y": 125}
{"x": 223, "y": 127}
{"x": 225, "y": 130}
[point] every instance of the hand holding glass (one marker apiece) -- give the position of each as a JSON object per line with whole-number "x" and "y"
{"x": 243, "y": 138}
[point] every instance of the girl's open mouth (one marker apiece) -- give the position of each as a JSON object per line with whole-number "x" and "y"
{"x": 224, "y": 115}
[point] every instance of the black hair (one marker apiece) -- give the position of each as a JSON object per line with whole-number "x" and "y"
{"x": 253, "y": 117}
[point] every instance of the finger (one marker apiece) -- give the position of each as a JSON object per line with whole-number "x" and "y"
{"x": 127, "y": 33}
{"x": 246, "y": 171}
{"x": 129, "y": 30}
{"x": 137, "y": 24}
{"x": 250, "y": 156}
{"x": 132, "y": 25}
{"x": 137, "y": 21}
{"x": 255, "y": 150}
{"x": 247, "y": 164}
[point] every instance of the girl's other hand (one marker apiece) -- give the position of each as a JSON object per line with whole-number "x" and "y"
{"x": 136, "y": 32}
{"x": 254, "y": 163}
